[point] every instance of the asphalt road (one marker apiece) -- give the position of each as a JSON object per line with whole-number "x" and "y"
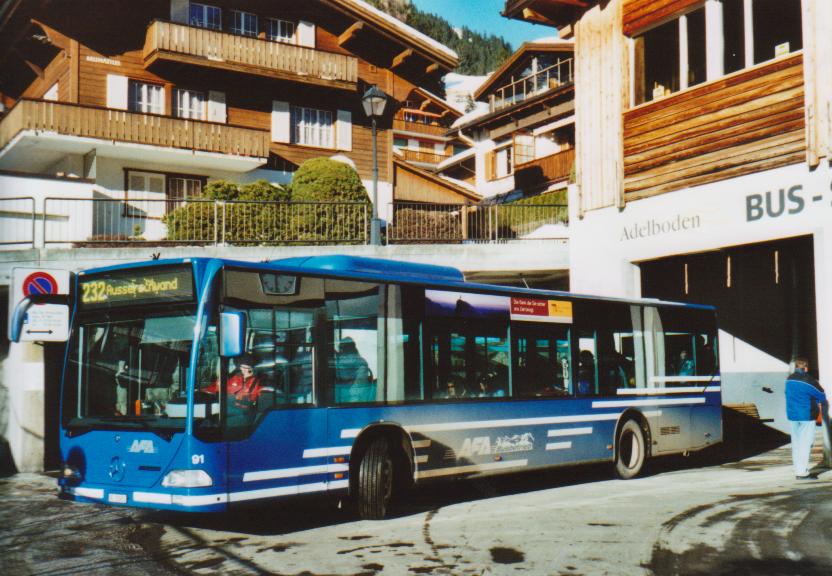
{"x": 744, "y": 517}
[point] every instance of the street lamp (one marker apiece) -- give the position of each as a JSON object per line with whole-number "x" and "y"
{"x": 374, "y": 101}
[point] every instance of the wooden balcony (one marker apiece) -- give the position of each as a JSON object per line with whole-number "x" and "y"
{"x": 215, "y": 49}
{"x": 535, "y": 84}
{"x": 423, "y": 156}
{"x": 419, "y": 128}
{"x": 552, "y": 168}
{"x": 122, "y": 126}
{"x": 746, "y": 122}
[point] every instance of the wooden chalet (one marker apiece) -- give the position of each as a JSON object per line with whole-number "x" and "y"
{"x": 691, "y": 92}
{"x": 526, "y": 130}
{"x": 163, "y": 95}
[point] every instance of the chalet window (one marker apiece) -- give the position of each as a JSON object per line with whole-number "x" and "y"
{"x": 280, "y": 30}
{"x": 244, "y": 23}
{"x": 146, "y": 98}
{"x": 145, "y": 194}
{"x": 777, "y": 28}
{"x": 499, "y": 162}
{"x": 190, "y": 104}
{"x": 182, "y": 188}
{"x": 679, "y": 54}
{"x": 400, "y": 142}
{"x": 312, "y": 127}
{"x": 205, "y": 16}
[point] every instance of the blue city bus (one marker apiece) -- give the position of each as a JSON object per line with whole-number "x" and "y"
{"x": 370, "y": 375}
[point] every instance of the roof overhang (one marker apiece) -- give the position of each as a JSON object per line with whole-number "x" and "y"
{"x": 411, "y": 40}
{"x": 558, "y": 13}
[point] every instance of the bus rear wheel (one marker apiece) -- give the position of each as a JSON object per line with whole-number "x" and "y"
{"x": 375, "y": 481}
{"x": 631, "y": 450}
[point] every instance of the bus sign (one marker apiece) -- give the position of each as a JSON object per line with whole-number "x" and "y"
{"x": 172, "y": 284}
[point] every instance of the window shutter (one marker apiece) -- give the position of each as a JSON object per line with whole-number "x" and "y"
{"x": 489, "y": 165}
{"x": 343, "y": 130}
{"x": 117, "y": 91}
{"x": 216, "y": 106}
{"x": 281, "y": 122}
{"x": 179, "y": 11}
{"x": 306, "y": 34}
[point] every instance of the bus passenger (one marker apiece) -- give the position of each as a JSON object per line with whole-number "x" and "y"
{"x": 586, "y": 373}
{"x": 686, "y": 367}
{"x": 352, "y": 374}
{"x": 242, "y": 385}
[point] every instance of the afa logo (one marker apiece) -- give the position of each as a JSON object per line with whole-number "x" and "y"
{"x": 479, "y": 446}
{"x": 142, "y": 447}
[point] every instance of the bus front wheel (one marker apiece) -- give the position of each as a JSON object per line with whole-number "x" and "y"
{"x": 375, "y": 481}
{"x": 631, "y": 450}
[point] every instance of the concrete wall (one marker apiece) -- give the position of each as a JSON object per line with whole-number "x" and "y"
{"x": 606, "y": 246}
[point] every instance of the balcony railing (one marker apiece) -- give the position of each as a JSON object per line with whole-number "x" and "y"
{"x": 418, "y": 223}
{"x": 17, "y": 221}
{"x": 552, "y": 168}
{"x": 137, "y": 221}
{"x": 419, "y": 127}
{"x": 103, "y": 222}
{"x": 423, "y": 156}
{"x": 123, "y": 126}
{"x": 246, "y": 54}
{"x": 542, "y": 81}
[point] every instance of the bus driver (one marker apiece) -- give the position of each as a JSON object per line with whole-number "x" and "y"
{"x": 243, "y": 386}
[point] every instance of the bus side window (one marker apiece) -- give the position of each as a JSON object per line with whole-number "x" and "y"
{"x": 541, "y": 360}
{"x": 608, "y": 348}
{"x": 355, "y": 320}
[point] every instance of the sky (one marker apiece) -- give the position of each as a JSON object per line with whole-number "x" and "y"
{"x": 484, "y": 16}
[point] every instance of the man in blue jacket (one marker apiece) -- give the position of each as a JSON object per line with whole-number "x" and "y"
{"x": 804, "y": 397}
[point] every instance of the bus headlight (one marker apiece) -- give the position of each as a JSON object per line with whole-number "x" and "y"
{"x": 187, "y": 479}
{"x": 71, "y": 474}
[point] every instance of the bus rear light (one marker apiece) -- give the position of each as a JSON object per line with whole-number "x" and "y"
{"x": 339, "y": 459}
{"x": 338, "y": 475}
{"x": 71, "y": 474}
{"x": 187, "y": 479}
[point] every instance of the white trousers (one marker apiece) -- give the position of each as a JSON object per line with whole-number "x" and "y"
{"x": 803, "y": 434}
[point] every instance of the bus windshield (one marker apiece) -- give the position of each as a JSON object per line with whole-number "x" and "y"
{"x": 129, "y": 370}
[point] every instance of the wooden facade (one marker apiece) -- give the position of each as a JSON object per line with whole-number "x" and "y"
{"x": 640, "y": 14}
{"x": 143, "y": 45}
{"x": 747, "y": 122}
{"x": 413, "y": 184}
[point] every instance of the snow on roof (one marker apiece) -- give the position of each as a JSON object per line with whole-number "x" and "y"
{"x": 480, "y": 109}
{"x": 396, "y": 23}
{"x": 461, "y": 183}
{"x": 553, "y": 40}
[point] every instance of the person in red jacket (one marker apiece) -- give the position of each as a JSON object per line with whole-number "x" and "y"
{"x": 243, "y": 386}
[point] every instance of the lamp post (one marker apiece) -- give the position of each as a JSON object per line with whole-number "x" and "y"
{"x": 374, "y": 101}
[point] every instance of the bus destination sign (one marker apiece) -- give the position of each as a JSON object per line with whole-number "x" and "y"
{"x": 137, "y": 287}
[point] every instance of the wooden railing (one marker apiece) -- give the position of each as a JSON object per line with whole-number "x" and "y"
{"x": 419, "y": 128}
{"x": 547, "y": 169}
{"x": 547, "y": 79}
{"x": 423, "y": 156}
{"x": 224, "y": 50}
{"x": 123, "y": 126}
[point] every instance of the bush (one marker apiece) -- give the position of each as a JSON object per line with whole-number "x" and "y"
{"x": 326, "y": 180}
{"x": 240, "y": 223}
{"x": 414, "y": 224}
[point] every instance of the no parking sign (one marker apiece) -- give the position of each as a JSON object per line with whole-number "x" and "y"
{"x": 38, "y": 281}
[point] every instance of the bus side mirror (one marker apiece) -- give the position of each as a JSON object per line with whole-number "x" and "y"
{"x": 41, "y": 318}
{"x": 232, "y": 334}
